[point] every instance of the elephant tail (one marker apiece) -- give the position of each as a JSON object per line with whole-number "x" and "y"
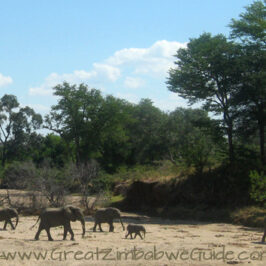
{"x": 16, "y": 221}
{"x": 36, "y": 222}
{"x": 122, "y": 224}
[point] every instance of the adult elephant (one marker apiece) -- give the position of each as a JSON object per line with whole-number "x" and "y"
{"x": 52, "y": 217}
{"x": 6, "y": 214}
{"x": 107, "y": 215}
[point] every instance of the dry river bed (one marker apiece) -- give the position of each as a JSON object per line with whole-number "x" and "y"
{"x": 167, "y": 242}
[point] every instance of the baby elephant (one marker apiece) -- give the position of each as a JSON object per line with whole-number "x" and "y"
{"x": 6, "y": 214}
{"x": 135, "y": 228}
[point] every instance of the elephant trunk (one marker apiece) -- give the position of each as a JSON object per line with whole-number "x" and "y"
{"x": 16, "y": 221}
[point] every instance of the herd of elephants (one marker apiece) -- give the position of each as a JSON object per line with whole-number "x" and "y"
{"x": 53, "y": 217}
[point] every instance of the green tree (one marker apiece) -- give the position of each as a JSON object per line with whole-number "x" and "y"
{"x": 74, "y": 118}
{"x": 189, "y": 137}
{"x": 146, "y": 133}
{"x": 208, "y": 71}
{"x": 250, "y": 32}
{"x": 114, "y": 145}
{"x": 16, "y": 124}
{"x": 54, "y": 150}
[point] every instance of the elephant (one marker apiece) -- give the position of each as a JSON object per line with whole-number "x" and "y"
{"x": 107, "y": 215}
{"x": 135, "y": 228}
{"x": 6, "y": 214}
{"x": 52, "y": 217}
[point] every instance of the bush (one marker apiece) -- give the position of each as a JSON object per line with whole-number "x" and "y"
{"x": 19, "y": 175}
{"x": 258, "y": 186}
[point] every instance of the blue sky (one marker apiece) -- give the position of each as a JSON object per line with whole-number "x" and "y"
{"x": 124, "y": 48}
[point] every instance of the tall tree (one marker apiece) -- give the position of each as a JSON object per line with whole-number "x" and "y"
{"x": 74, "y": 117}
{"x": 145, "y": 132}
{"x": 207, "y": 71}
{"x": 16, "y": 123}
{"x": 189, "y": 135}
{"x": 250, "y": 32}
{"x": 114, "y": 145}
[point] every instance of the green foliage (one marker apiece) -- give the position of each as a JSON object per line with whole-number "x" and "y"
{"x": 19, "y": 175}
{"x": 258, "y": 186}
{"x": 190, "y": 138}
{"x": 146, "y": 133}
{"x": 17, "y": 125}
{"x": 251, "y": 26}
{"x": 75, "y": 119}
{"x": 250, "y": 96}
{"x": 54, "y": 150}
{"x": 208, "y": 71}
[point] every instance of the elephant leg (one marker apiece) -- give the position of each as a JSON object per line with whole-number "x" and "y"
{"x": 48, "y": 234}
{"x": 5, "y": 225}
{"x": 71, "y": 232}
{"x": 111, "y": 227}
{"x": 100, "y": 227}
{"x": 94, "y": 228}
{"x": 65, "y": 233}
{"x": 38, "y": 232}
{"x": 67, "y": 228}
{"x": 131, "y": 236}
{"x": 12, "y": 226}
{"x": 135, "y": 235}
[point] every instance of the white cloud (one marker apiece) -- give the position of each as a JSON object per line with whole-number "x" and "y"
{"x": 100, "y": 72}
{"x": 104, "y": 70}
{"x": 5, "y": 80}
{"x": 155, "y": 60}
{"x": 134, "y": 66}
{"x": 133, "y": 83}
{"x": 169, "y": 103}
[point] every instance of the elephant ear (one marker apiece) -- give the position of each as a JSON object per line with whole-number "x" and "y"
{"x": 69, "y": 214}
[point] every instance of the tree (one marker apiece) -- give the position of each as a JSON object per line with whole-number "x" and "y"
{"x": 54, "y": 150}
{"x": 146, "y": 133}
{"x": 16, "y": 123}
{"x": 74, "y": 118}
{"x": 84, "y": 174}
{"x": 114, "y": 142}
{"x": 250, "y": 32}
{"x": 189, "y": 138}
{"x": 208, "y": 71}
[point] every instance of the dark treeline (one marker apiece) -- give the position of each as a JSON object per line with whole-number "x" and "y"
{"x": 227, "y": 75}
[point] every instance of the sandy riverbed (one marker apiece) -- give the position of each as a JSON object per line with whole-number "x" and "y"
{"x": 192, "y": 243}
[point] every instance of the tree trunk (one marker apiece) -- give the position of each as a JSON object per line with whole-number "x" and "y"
{"x": 229, "y": 123}
{"x": 77, "y": 151}
{"x": 230, "y": 144}
{"x": 261, "y": 132}
{"x": 4, "y": 156}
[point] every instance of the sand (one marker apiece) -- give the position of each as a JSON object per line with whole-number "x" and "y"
{"x": 167, "y": 242}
